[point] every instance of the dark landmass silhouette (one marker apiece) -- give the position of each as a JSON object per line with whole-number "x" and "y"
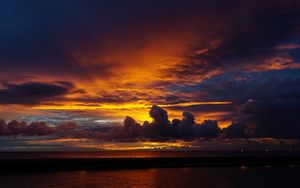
{"x": 189, "y": 159}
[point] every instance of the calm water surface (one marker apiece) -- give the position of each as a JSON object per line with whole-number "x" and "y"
{"x": 206, "y": 177}
{"x": 252, "y": 177}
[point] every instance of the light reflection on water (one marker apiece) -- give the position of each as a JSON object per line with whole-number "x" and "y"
{"x": 282, "y": 176}
{"x": 137, "y": 154}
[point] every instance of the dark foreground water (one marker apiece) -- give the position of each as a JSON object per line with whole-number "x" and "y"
{"x": 204, "y": 177}
{"x": 220, "y": 177}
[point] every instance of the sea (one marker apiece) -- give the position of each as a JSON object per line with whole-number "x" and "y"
{"x": 204, "y": 177}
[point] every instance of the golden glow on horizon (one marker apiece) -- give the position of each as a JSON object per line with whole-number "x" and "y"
{"x": 98, "y": 145}
{"x": 140, "y": 111}
{"x": 134, "y": 74}
{"x": 122, "y": 105}
{"x": 86, "y": 143}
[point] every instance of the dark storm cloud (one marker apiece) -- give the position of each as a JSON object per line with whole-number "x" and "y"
{"x": 161, "y": 128}
{"x": 273, "y": 102}
{"x": 246, "y": 40}
{"x": 272, "y": 108}
{"x": 28, "y": 41}
{"x": 62, "y": 130}
{"x": 38, "y": 34}
{"x": 278, "y": 118}
{"x": 35, "y": 34}
{"x": 262, "y": 118}
{"x": 205, "y": 108}
{"x": 238, "y": 87}
{"x": 159, "y": 115}
{"x": 15, "y": 127}
{"x": 32, "y": 93}
{"x": 235, "y": 130}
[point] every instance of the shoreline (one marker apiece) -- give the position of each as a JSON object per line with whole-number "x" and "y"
{"x": 70, "y": 164}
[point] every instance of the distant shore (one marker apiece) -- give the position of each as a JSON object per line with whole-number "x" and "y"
{"x": 105, "y": 163}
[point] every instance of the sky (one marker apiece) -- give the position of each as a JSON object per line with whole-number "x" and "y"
{"x": 96, "y": 62}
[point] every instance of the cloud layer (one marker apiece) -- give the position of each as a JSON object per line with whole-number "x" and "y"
{"x": 32, "y": 93}
{"x": 273, "y": 119}
{"x": 98, "y": 61}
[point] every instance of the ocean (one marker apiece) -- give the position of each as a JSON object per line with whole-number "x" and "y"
{"x": 204, "y": 177}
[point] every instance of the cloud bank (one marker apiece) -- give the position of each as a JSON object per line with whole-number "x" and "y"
{"x": 273, "y": 119}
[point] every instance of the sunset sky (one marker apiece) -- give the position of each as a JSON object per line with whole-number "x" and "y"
{"x": 96, "y": 62}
